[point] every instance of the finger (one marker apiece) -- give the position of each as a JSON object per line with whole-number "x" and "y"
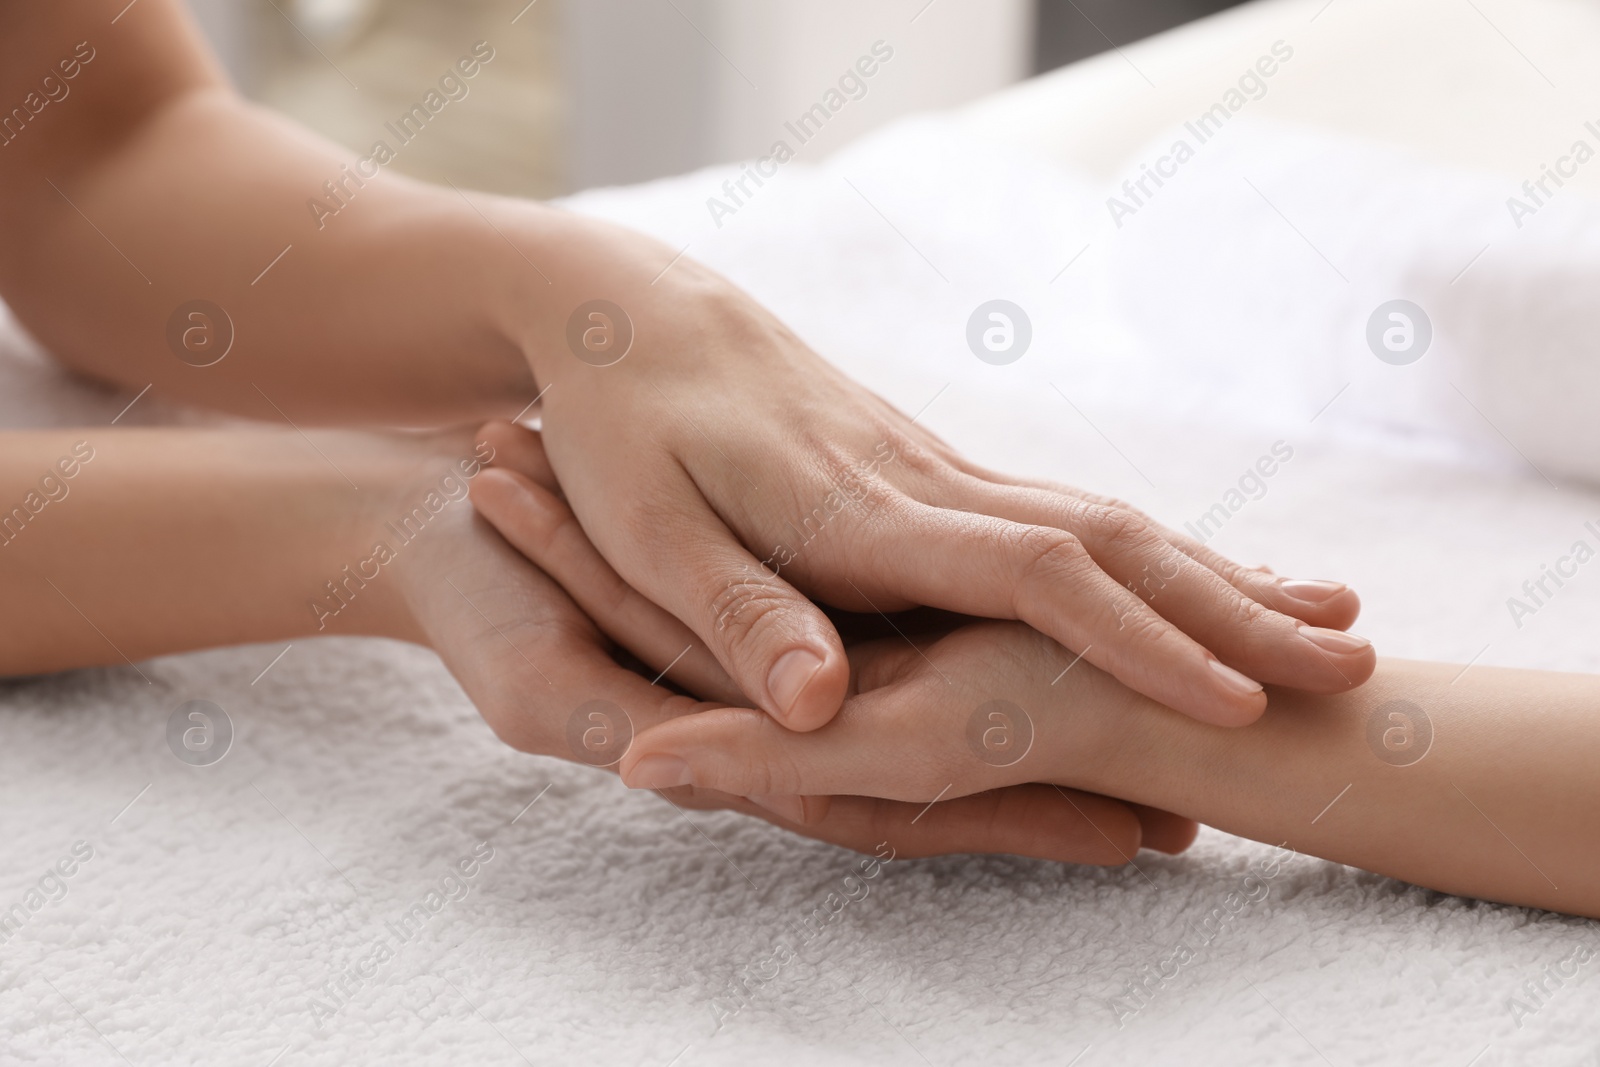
{"x": 802, "y": 811}
{"x": 535, "y": 666}
{"x": 1165, "y": 831}
{"x": 735, "y": 750}
{"x": 1264, "y": 644}
{"x": 777, "y": 645}
{"x": 988, "y": 566}
{"x": 520, "y": 449}
{"x": 544, "y": 530}
{"x": 592, "y": 711}
{"x": 1039, "y": 821}
{"x": 536, "y": 520}
{"x": 1321, "y": 603}
{"x": 1160, "y": 831}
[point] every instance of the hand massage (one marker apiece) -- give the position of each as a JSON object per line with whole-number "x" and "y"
{"x": 654, "y": 533}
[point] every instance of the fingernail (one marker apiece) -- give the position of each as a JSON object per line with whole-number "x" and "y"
{"x": 790, "y": 676}
{"x": 659, "y": 772}
{"x": 790, "y": 808}
{"x": 1336, "y": 641}
{"x": 1312, "y": 591}
{"x": 1234, "y": 680}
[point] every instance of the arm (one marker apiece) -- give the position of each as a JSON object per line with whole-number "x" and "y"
{"x": 1499, "y": 805}
{"x": 119, "y": 545}
{"x": 725, "y": 469}
{"x": 149, "y": 183}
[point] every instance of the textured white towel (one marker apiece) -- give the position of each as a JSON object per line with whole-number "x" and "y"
{"x": 219, "y": 901}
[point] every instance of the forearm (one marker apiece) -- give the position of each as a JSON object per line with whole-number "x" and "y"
{"x": 119, "y": 545}
{"x": 151, "y": 185}
{"x": 1499, "y": 806}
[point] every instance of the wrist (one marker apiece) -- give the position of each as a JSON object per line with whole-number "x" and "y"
{"x": 1229, "y": 777}
{"x": 582, "y": 260}
{"x": 406, "y": 482}
{"x": 1126, "y": 745}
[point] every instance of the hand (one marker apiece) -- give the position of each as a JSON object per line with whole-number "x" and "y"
{"x": 719, "y": 429}
{"x": 979, "y": 708}
{"x": 729, "y": 473}
{"x": 478, "y": 597}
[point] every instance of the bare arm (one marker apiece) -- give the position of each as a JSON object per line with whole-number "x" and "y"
{"x": 1499, "y": 802}
{"x": 126, "y": 544}
{"x": 694, "y": 433}
{"x": 117, "y": 545}
{"x": 1482, "y": 784}
{"x": 148, "y": 183}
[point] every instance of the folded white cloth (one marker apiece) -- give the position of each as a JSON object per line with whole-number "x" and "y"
{"x": 1257, "y": 271}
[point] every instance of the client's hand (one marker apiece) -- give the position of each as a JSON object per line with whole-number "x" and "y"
{"x": 529, "y": 658}
{"x": 729, "y": 473}
{"x": 981, "y": 707}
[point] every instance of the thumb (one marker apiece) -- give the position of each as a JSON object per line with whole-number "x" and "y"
{"x": 775, "y": 643}
{"x": 779, "y": 648}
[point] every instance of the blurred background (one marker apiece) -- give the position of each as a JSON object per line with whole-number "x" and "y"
{"x": 599, "y": 92}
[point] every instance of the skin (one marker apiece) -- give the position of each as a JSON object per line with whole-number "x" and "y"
{"x": 1496, "y": 808}
{"x": 1499, "y": 808}
{"x": 1498, "y": 805}
{"x": 231, "y": 536}
{"x": 151, "y": 184}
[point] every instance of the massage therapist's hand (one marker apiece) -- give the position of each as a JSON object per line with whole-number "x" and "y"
{"x": 513, "y": 601}
{"x": 162, "y": 233}
{"x": 718, "y": 448}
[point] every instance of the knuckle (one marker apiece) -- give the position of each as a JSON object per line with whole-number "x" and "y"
{"x": 814, "y": 810}
{"x": 768, "y": 773}
{"x": 1253, "y": 582}
{"x": 1140, "y": 625}
{"x": 750, "y": 611}
{"x": 558, "y": 519}
{"x": 690, "y": 796}
{"x": 613, "y": 595}
{"x": 743, "y": 753}
{"x": 651, "y": 516}
{"x": 1218, "y": 564}
{"x": 1252, "y": 613}
{"x": 1117, "y": 528}
{"x": 548, "y": 524}
{"x": 1051, "y": 554}
{"x": 563, "y": 638}
{"x": 1126, "y": 508}
{"x": 902, "y": 449}
{"x": 1102, "y": 500}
